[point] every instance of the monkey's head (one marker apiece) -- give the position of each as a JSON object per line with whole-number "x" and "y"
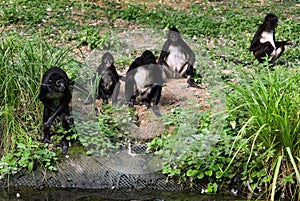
{"x": 57, "y": 83}
{"x": 107, "y": 59}
{"x": 173, "y": 34}
{"x": 271, "y": 21}
{"x": 148, "y": 57}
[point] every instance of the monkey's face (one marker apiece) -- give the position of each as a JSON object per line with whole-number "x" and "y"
{"x": 108, "y": 62}
{"x": 60, "y": 85}
{"x": 173, "y": 36}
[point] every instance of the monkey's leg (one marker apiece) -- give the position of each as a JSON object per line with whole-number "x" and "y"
{"x": 278, "y": 52}
{"x": 115, "y": 94}
{"x": 101, "y": 94}
{"x": 46, "y": 128}
{"x": 64, "y": 144}
{"x": 129, "y": 89}
{"x": 156, "y": 94}
{"x": 265, "y": 49}
{"x": 190, "y": 80}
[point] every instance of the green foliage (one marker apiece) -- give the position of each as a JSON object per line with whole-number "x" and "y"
{"x": 27, "y": 156}
{"x": 272, "y": 99}
{"x": 259, "y": 139}
{"x": 194, "y": 153}
{"x": 106, "y": 133}
{"x": 92, "y": 37}
{"x": 17, "y": 12}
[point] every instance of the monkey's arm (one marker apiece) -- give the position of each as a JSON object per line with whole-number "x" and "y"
{"x": 164, "y": 53}
{"x": 56, "y": 113}
{"x": 115, "y": 74}
{"x": 189, "y": 51}
{"x": 282, "y": 43}
{"x": 254, "y": 46}
{"x": 68, "y": 118}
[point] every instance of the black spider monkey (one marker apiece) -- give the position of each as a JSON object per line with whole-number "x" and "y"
{"x": 55, "y": 94}
{"x": 109, "y": 85}
{"x": 144, "y": 80}
{"x": 178, "y": 57}
{"x": 264, "y": 44}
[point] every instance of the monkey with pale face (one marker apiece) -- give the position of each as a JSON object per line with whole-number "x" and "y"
{"x": 178, "y": 57}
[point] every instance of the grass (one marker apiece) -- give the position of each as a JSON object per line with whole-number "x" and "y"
{"x": 261, "y": 128}
{"x": 271, "y": 100}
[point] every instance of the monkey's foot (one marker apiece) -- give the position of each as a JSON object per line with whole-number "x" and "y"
{"x": 69, "y": 119}
{"x": 191, "y": 83}
{"x": 156, "y": 111}
{"x": 64, "y": 146}
{"x": 46, "y": 139}
{"x": 46, "y": 125}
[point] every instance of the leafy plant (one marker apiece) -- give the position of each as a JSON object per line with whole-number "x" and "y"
{"x": 105, "y": 133}
{"x": 194, "y": 153}
{"x": 27, "y": 156}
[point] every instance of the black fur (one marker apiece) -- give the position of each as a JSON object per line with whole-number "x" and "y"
{"x": 55, "y": 94}
{"x": 109, "y": 85}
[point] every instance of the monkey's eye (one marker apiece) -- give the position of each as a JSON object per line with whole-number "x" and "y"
{"x": 60, "y": 82}
{"x": 173, "y": 36}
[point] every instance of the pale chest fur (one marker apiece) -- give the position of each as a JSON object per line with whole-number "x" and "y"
{"x": 267, "y": 37}
{"x": 177, "y": 58}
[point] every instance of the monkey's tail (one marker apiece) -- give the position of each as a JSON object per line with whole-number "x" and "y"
{"x": 235, "y": 61}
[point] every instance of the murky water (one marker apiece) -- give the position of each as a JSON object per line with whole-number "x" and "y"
{"x": 31, "y": 194}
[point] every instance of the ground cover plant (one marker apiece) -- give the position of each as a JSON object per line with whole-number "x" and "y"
{"x": 258, "y": 145}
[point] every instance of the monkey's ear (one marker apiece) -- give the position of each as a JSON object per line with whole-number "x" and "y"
{"x": 71, "y": 82}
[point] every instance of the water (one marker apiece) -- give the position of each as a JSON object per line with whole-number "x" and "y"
{"x": 61, "y": 194}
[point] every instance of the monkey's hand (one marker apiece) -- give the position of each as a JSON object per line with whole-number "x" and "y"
{"x": 69, "y": 119}
{"x": 291, "y": 43}
{"x": 47, "y": 124}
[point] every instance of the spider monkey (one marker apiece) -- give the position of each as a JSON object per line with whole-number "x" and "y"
{"x": 178, "y": 57}
{"x": 55, "y": 94}
{"x": 109, "y": 85}
{"x": 144, "y": 80}
{"x": 264, "y": 44}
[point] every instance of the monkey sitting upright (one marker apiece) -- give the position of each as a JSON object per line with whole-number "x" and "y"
{"x": 178, "y": 57}
{"x": 55, "y": 94}
{"x": 264, "y": 44}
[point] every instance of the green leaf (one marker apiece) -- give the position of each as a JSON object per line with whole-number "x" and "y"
{"x": 200, "y": 175}
{"x": 209, "y": 173}
{"x": 191, "y": 173}
{"x": 219, "y": 174}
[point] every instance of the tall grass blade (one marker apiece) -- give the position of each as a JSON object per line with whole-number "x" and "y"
{"x": 275, "y": 177}
{"x": 293, "y": 163}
